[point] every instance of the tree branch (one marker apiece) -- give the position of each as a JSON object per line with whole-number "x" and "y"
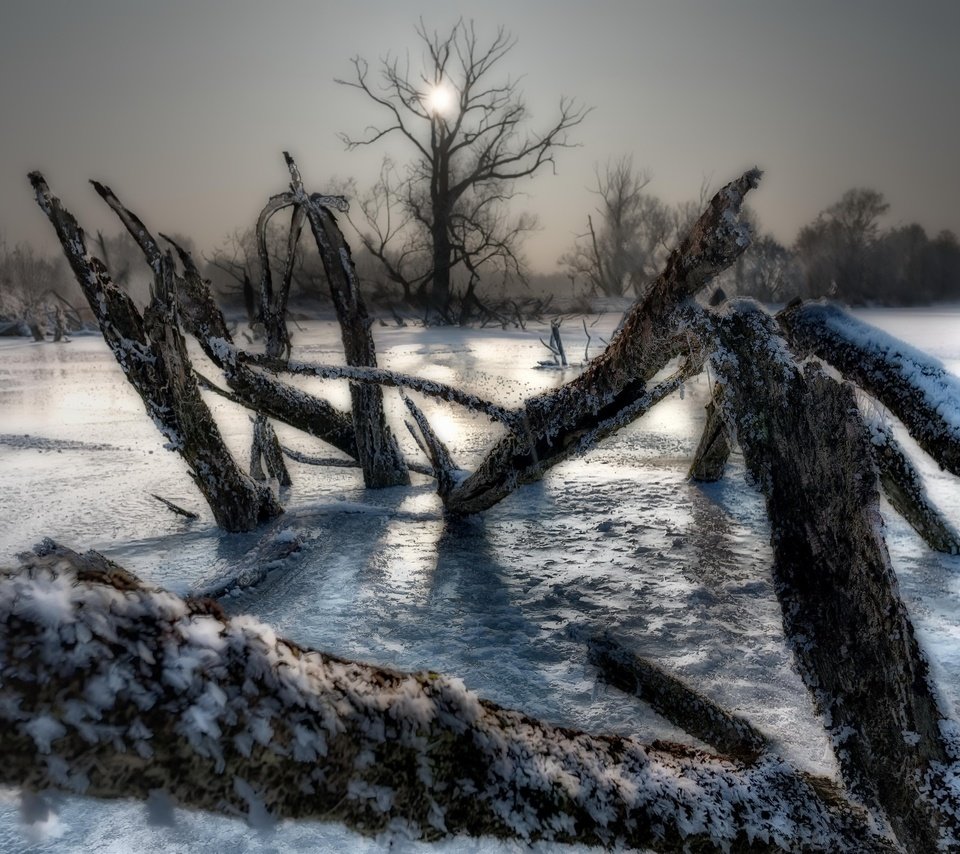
{"x": 912, "y": 385}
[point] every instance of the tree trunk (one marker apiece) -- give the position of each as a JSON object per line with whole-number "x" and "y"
{"x": 806, "y": 448}
{"x": 440, "y": 279}
{"x": 555, "y": 422}
{"x": 153, "y": 355}
{"x": 377, "y": 448}
{"x": 116, "y": 689}
{"x": 903, "y": 486}
{"x": 713, "y": 451}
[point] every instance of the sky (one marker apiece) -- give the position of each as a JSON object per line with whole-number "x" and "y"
{"x": 183, "y": 107}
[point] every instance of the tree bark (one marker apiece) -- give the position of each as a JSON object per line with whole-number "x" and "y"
{"x": 115, "y": 689}
{"x": 273, "y": 313}
{"x": 377, "y": 448}
{"x": 553, "y": 422}
{"x": 912, "y": 385}
{"x": 202, "y": 318}
{"x": 713, "y": 451}
{"x": 903, "y": 486}
{"x": 807, "y": 450}
{"x": 153, "y": 355}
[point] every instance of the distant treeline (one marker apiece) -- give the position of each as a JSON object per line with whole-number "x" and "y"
{"x": 843, "y": 254}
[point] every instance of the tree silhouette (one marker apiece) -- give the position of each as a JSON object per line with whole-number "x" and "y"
{"x": 446, "y": 209}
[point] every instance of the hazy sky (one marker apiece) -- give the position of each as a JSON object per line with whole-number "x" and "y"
{"x": 184, "y": 106}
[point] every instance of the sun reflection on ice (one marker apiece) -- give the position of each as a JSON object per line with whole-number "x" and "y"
{"x": 407, "y": 556}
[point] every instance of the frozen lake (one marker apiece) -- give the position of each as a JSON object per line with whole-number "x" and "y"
{"x": 618, "y": 539}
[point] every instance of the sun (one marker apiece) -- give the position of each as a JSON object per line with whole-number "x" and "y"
{"x": 440, "y": 99}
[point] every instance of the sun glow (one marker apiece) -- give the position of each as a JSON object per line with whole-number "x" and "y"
{"x": 440, "y": 99}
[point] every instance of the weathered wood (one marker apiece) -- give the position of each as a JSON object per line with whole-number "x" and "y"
{"x": 713, "y": 450}
{"x": 265, "y": 447}
{"x": 117, "y": 689}
{"x": 377, "y": 448}
{"x": 153, "y": 355}
{"x": 443, "y": 467}
{"x": 265, "y": 450}
{"x": 386, "y": 378}
{"x": 685, "y": 708}
{"x": 554, "y": 422}
{"x": 174, "y": 508}
{"x": 202, "y": 318}
{"x": 806, "y": 448}
{"x": 905, "y": 491}
{"x": 911, "y": 384}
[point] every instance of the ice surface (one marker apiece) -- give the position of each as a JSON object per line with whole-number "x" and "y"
{"x": 617, "y": 540}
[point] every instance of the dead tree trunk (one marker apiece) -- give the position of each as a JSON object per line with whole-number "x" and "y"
{"x": 808, "y": 451}
{"x": 912, "y": 385}
{"x": 377, "y": 448}
{"x": 553, "y": 423}
{"x": 153, "y": 355}
{"x": 202, "y": 318}
{"x": 258, "y": 391}
{"x": 713, "y": 451}
{"x": 216, "y": 713}
{"x": 903, "y": 486}
{"x": 265, "y": 446}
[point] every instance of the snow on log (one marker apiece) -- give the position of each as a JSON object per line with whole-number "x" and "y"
{"x": 910, "y": 383}
{"x": 555, "y": 422}
{"x": 807, "y": 449}
{"x": 377, "y": 448}
{"x": 115, "y": 689}
{"x": 153, "y": 355}
{"x": 384, "y": 377}
{"x": 903, "y": 486}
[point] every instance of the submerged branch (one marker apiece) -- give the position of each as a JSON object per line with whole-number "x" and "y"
{"x": 685, "y": 708}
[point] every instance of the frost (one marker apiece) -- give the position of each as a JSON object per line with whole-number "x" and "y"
{"x": 44, "y": 730}
{"x": 49, "y": 602}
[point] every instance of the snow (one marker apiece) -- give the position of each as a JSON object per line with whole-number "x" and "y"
{"x": 617, "y": 540}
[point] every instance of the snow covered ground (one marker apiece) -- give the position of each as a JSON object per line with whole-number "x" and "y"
{"x": 618, "y": 540}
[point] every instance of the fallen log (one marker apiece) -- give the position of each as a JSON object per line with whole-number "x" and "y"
{"x": 554, "y": 422}
{"x": 116, "y": 689}
{"x": 911, "y": 384}
{"x": 808, "y": 451}
{"x": 697, "y": 715}
{"x": 153, "y": 355}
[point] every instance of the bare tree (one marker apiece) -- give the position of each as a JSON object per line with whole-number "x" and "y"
{"x": 447, "y": 209}
{"x": 624, "y": 251}
{"x": 835, "y": 250}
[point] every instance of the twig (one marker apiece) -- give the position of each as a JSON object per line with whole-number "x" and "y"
{"x": 175, "y": 508}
